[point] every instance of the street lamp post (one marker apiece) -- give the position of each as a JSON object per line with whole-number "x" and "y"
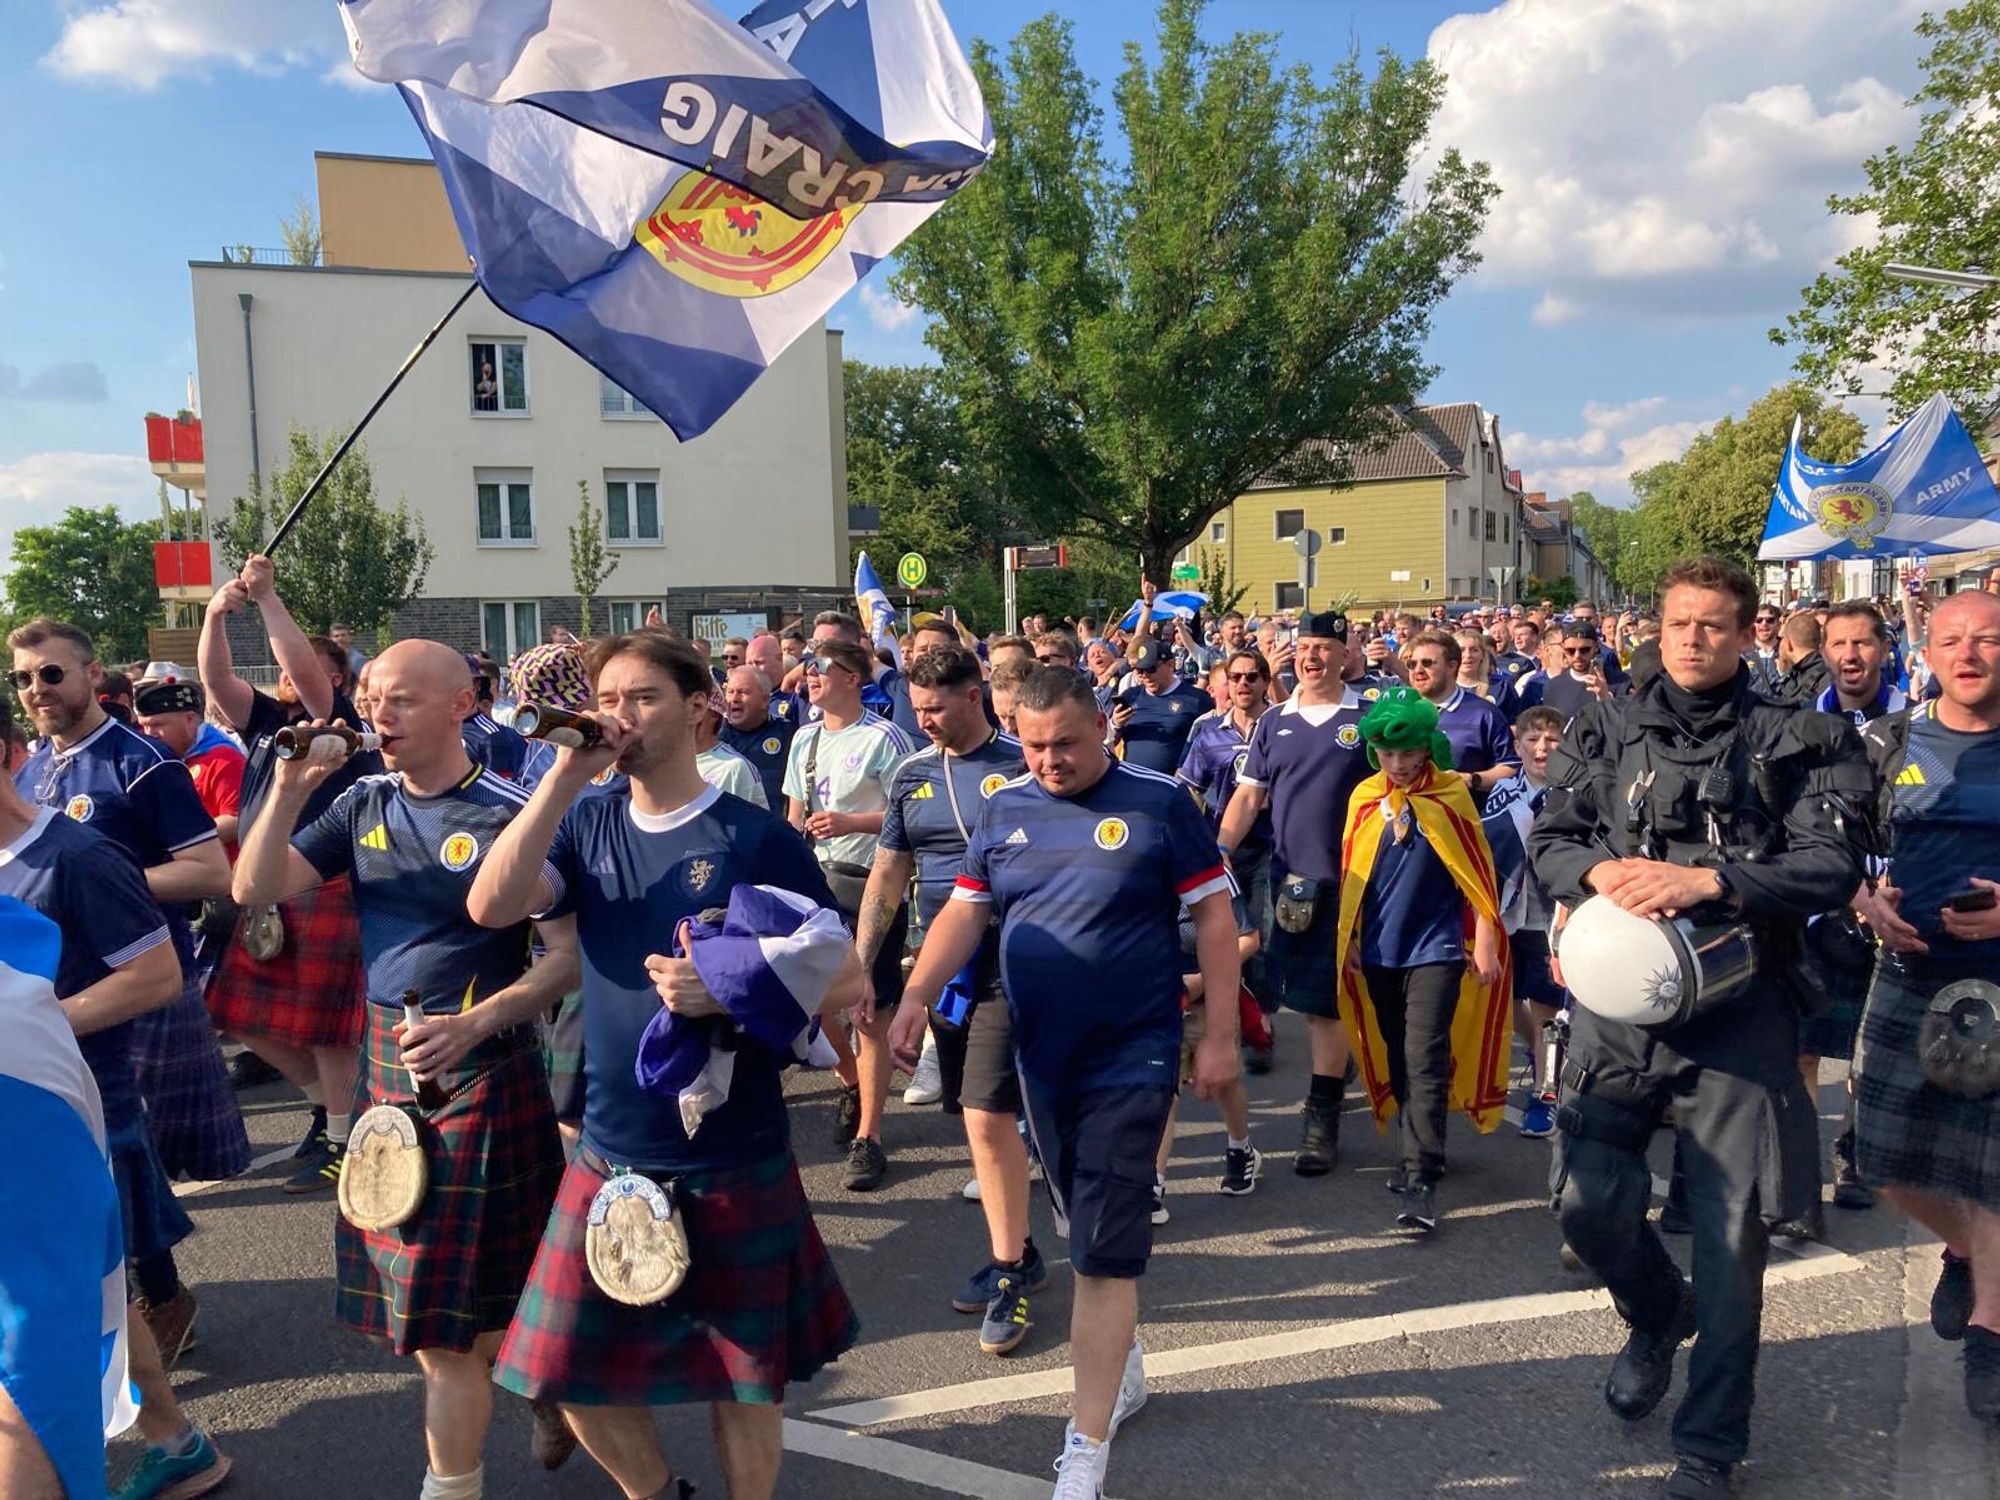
{"x": 1976, "y": 281}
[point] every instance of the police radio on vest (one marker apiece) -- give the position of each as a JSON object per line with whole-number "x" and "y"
{"x": 558, "y": 726}
{"x": 330, "y": 742}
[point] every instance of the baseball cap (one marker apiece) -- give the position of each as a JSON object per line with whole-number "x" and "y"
{"x": 1324, "y": 625}
{"x": 1148, "y": 655}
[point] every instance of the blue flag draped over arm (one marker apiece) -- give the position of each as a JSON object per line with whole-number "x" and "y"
{"x": 1922, "y": 490}
{"x": 674, "y": 196}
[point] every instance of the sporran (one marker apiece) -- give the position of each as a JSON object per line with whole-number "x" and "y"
{"x": 385, "y": 1174}
{"x": 633, "y": 1241}
{"x": 1958, "y": 1042}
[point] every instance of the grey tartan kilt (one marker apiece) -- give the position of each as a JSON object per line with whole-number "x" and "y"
{"x": 1907, "y": 1133}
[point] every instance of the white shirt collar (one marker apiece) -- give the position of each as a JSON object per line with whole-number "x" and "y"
{"x": 667, "y": 822}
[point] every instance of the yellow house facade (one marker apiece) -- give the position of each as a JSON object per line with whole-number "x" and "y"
{"x": 1435, "y": 502}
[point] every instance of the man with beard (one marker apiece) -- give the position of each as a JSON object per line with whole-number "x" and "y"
{"x": 632, "y": 868}
{"x": 1802, "y": 670}
{"x": 290, "y": 984}
{"x": 441, "y": 1286}
{"x": 139, "y": 795}
{"x": 753, "y": 732}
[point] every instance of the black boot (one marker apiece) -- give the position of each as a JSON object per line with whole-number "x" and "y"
{"x": 1849, "y": 1191}
{"x": 1319, "y": 1138}
{"x": 1982, "y": 1374}
{"x": 1951, "y": 1298}
{"x": 1810, "y": 1225}
{"x": 1698, "y": 1479}
{"x": 1644, "y": 1368}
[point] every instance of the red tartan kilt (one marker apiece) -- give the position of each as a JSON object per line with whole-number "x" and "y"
{"x": 761, "y": 1307}
{"x": 310, "y": 995}
{"x": 456, "y": 1270}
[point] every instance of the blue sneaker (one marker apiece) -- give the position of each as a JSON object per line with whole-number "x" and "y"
{"x": 1538, "y": 1120}
{"x": 977, "y": 1292}
{"x": 160, "y": 1475}
{"x": 1007, "y": 1321}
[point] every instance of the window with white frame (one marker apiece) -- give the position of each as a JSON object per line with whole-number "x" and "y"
{"x": 1289, "y": 524}
{"x": 499, "y": 377}
{"x": 1218, "y": 531}
{"x": 628, "y": 615}
{"x": 506, "y": 504}
{"x": 613, "y": 400}
{"x": 1290, "y": 596}
{"x": 510, "y": 626}
{"x": 1336, "y": 536}
{"x": 632, "y": 507}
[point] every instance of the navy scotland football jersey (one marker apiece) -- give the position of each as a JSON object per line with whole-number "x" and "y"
{"x": 1155, "y": 735}
{"x": 1216, "y": 754}
{"x": 766, "y": 748}
{"x": 630, "y": 879}
{"x": 1089, "y": 890}
{"x": 413, "y": 860}
{"x": 934, "y": 803}
{"x": 1309, "y": 758}
{"x": 498, "y": 747}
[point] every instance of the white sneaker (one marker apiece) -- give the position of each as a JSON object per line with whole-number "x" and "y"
{"x": 970, "y": 1192}
{"x": 1160, "y": 1214}
{"x": 1131, "y": 1396}
{"x": 926, "y": 1085}
{"x": 1080, "y": 1469}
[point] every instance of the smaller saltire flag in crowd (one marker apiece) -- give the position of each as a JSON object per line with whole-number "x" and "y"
{"x": 871, "y": 600}
{"x": 1922, "y": 490}
{"x": 676, "y": 196}
{"x": 1174, "y": 604}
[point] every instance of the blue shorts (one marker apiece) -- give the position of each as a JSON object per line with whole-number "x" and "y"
{"x": 1532, "y": 979}
{"x": 61, "y": 1213}
{"x": 1098, "y": 1148}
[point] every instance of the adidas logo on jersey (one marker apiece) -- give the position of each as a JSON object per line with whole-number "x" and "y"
{"x": 1910, "y": 775}
{"x": 1018, "y": 836}
{"x": 376, "y": 838}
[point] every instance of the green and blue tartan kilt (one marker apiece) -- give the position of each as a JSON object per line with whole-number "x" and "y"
{"x": 1906, "y": 1132}
{"x": 456, "y": 1269}
{"x": 564, "y": 1049}
{"x": 761, "y": 1307}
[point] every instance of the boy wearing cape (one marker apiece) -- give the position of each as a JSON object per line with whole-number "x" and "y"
{"x": 1423, "y": 967}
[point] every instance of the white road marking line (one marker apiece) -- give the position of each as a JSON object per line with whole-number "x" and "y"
{"x": 955, "y": 1476}
{"x": 257, "y": 1164}
{"x": 1230, "y": 1353}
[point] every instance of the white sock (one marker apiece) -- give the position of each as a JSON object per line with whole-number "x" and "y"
{"x": 1242, "y": 1145}
{"x": 458, "y": 1487}
{"x": 339, "y": 1126}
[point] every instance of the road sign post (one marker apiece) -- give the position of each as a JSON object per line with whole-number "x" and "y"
{"x": 1016, "y": 560}
{"x": 1307, "y": 542}
{"x": 1501, "y": 578}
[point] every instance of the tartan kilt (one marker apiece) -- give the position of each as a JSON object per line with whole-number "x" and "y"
{"x": 456, "y": 1269}
{"x": 310, "y": 995}
{"x": 1302, "y": 966}
{"x": 1907, "y": 1133}
{"x": 190, "y": 1106}
{"x": 150, "y": 1214}
{"x": 761, "y": 1307}
{"x": 565, "y": 1058}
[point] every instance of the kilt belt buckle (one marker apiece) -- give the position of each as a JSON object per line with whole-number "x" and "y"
{"x": 1958, "y": 1041}
{"x": 633, "y": 1240}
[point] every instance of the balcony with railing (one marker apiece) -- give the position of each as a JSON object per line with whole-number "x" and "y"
{"x": 264, "y": 255}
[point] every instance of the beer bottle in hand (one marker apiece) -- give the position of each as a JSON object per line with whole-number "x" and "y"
{"x": 535, "y": 721}
{"x": 329, "y": 742}
{"x": 430, "y": 1096}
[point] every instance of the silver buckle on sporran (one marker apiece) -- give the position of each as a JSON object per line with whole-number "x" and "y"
{"x": 1958, "y": 1041}
{"x": 384, "y": 1174}
{"x": 633, "y": 1241}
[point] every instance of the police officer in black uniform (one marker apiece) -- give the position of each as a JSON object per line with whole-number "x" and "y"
{"x": 1697, "y": 797}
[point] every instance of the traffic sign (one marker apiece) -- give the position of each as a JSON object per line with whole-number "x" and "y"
{"x": 1025, "y": 559}
{"x": 912, "y": 570}
{"x": 1307, "y": 542}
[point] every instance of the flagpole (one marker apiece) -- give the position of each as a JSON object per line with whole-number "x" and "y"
{"x": 319, "y": 480}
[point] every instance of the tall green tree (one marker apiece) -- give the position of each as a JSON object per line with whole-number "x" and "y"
{"x": 1605, "y": 527}
{"x": 349, "y": 558}
{"x": 1716, "y": 496}
{"x": 590, "y": 561}
{"x": 1134, "y": 335}
{"x": 1933, "y": 204}
{"x": 94, "y": 569}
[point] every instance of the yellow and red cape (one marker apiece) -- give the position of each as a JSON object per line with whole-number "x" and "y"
{"x": 1483, "y": 1022}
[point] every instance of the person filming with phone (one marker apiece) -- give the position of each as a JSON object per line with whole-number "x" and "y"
{"x": 1927, "y": 1089}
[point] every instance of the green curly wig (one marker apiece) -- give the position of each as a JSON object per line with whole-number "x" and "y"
{"x": 1403, "y": 719}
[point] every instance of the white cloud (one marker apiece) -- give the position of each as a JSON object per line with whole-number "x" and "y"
{"x": 1673, "y": 156}
{"x": 143, "y": 43}
{"x": 1614, "y": 443}
{"x": 885, "y": 311}
{"x": 39, "y": 487}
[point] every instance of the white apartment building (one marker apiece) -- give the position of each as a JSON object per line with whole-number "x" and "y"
{"x": 489, "y": 436}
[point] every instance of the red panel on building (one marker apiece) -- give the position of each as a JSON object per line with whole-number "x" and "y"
{"x": 183, "y": 565}
{"x": 171, "y": 441}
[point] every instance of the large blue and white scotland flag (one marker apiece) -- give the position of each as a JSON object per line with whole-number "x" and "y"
{"x": 1922, "y": 490}
{"x": 675, "y": 196}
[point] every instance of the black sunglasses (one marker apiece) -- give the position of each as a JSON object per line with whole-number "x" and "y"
{"x": 50, "y": 674}
{"x": 1246, "y": 676}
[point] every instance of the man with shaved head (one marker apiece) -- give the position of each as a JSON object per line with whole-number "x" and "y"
{"x": 1925, "y": 1146}
{"x": 443, "y": 1285}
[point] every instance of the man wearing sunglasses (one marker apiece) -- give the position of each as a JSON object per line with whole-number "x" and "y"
{"x": 1580, "y": 682}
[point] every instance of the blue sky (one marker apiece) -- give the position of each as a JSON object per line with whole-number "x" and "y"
{"x": 1664, "y": 167}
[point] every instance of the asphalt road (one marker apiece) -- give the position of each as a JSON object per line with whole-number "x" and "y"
{"x": 1299, "y": 1344}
